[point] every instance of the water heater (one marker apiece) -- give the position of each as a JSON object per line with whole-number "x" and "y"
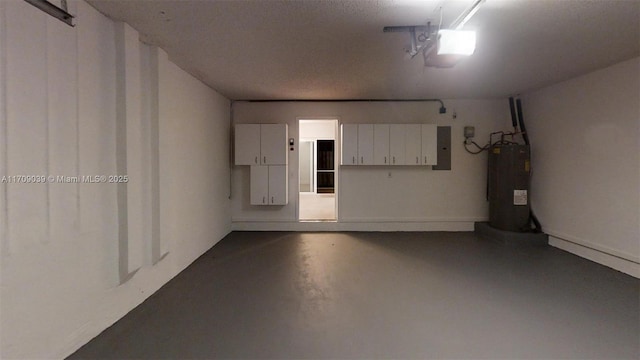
{"x": 508, "y": 187}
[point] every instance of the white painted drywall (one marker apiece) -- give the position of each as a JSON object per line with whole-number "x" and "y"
{"x": 586, "y": 162}
{"x": 413, "y": 198}
{"x": 130, "y": 149}
{"x": 317, "y": 129}
{"x": 194, "y": 164}
{"x": 59, "y": 281}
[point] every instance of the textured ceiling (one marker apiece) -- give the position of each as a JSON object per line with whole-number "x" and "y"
{"x": 323, "y": 49}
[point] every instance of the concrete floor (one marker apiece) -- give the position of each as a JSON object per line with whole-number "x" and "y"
{"x": 381, "y": 295}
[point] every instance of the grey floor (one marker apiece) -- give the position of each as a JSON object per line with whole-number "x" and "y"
{"x": 381, "y": 295}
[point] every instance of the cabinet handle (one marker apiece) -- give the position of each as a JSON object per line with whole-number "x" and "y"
{"x": 263, "y": 199}
{"x": 265, "y": 160}
{"x": 385, "y": 159}
{"x": 425, "y": 160}
{"x": 256, "y": 160}
{"x": 272, "y": 199}
{"x": 417, "y": 160}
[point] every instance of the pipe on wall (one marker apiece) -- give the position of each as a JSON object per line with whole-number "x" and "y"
{"x": 442, "y": 110}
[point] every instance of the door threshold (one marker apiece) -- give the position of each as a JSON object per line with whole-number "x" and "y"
{"x": 317, "y": 220}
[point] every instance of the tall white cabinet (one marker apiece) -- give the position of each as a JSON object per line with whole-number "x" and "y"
{"x": 264, "y": 147}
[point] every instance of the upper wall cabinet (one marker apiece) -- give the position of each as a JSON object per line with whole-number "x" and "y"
{"x": 397, "y": 144}
{"x": 357, "y": 144}
{"x": 429, "y": 144}
{"x": 389, "y": 144}
{"x": 349, "y": 141}
{"x": 413, "y": 144}
{"x": 261, "y": 144}
{"x": 381, "y": 144}
{"x": 365, "y": 144}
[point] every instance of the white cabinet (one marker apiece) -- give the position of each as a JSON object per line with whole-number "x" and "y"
{"x": 349, "y": 141}
{"x": 381, "y": 144}
{"x": 273, "y": 144}
{"x": 365, "y": 144}
{"x": 389, "y": 144}
{"x": 278, "y": 185}
{"x": 269, "y": 185}
{"x": 261, "y": 144}
{"x": 429, "y": 146}
{"x": 247, "y": 144}
{"x": 259, "y": 188}
{"x": 357, "y": 144}
{"x": 397, "y": 144}
{"x": 413, "y": 144}
{"x": 264, "y": 147}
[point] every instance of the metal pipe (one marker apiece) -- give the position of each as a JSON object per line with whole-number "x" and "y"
{"x": 442, "y": 110}
{"x": 523, "y": 129}
{"x": 466, "y": 15}
{"x": 512, "y": 106}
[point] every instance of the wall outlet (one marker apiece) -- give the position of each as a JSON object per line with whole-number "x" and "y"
{"x": 469, "y": 132}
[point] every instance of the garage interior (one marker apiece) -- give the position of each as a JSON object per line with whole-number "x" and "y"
{"x": 145, "y": 213}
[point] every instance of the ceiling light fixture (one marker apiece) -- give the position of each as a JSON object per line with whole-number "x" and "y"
{"x": 456, "y": 42}
{"x": 452, "y": 44}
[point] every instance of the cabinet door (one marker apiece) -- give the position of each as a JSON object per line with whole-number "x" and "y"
{"x": 259, "y": 192}
{"x": 365, "y": 144}
{"x": 397, "y": 144}
{"x": 273, "y": 144}
{"x": 413, "y": 144}
{"x": 278, "y": 185}
{"x": 429, "y": 144}
{"x": 349, "y": 142}
{"x": 381, "y": 144}
{"x": 247, "y": 144}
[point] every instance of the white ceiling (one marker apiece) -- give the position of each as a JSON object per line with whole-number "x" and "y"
{"x": 324, "y": 49}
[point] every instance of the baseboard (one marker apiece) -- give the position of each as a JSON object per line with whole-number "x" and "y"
{"x": 353, "y": 226}
{"x": 623, "y": 265}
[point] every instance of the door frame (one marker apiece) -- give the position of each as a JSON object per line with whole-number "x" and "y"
{"x": 336, "y": 159}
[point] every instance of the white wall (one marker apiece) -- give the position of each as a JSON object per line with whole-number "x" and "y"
{"x": 194, "y": 164}
{"x": 586, "y": 164}
{"x": 61, "y": 103}
{"x": 317, "y": 129}
{"x": 413, "y": 198}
